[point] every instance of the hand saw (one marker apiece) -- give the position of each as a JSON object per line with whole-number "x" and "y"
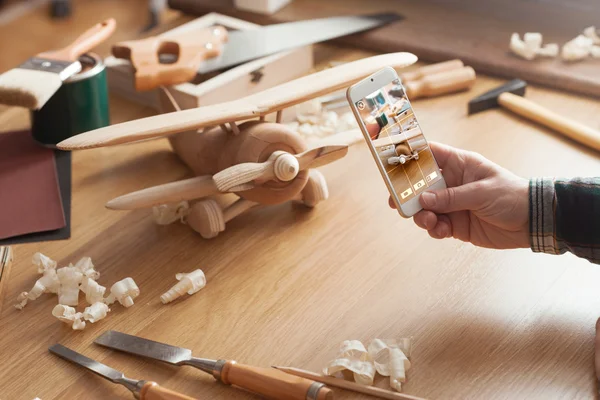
{"x": 179, "y": 58}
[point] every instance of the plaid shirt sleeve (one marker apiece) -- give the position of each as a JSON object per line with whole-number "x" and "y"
{"x": 564, "y": 215}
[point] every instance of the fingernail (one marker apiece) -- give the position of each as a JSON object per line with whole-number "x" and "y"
{"x": 428, "y": 199}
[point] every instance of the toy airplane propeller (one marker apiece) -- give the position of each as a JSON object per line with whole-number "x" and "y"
{"x": 261, "y": 162}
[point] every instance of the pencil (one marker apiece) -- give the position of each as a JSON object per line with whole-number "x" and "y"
{"x": 347, "y": 385}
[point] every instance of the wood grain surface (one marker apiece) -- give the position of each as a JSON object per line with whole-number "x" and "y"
{"x": 478, "y": 32}
{"x": 285, "y": 285}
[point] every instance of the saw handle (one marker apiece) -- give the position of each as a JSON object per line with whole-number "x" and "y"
{"x": 271, "y": 383}
{"x": 188, "y": 49}
{"x": 553, "y": 120}
{"x": 153, "y": 391}
{"x": 84, "y": 43}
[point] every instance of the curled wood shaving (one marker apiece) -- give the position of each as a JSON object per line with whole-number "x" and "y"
{"x": 354, "y": 357}
{"x": 388, "y": 357}
{"x": 391, "y": 359}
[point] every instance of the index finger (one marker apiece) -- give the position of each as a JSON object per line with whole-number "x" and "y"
{"x": 442, "y": 153}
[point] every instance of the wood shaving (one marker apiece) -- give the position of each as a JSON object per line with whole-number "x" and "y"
{"x": 388, "y": 357}
{"x": 48, "y": 283}
{"x": 531, "y": 46}
{"x": 354, "y": 357}
{"x": 189, "y": 283}
{"x": 391, "y": 359}
{"x": 577, "y": 49}
{"x": 124, "y": 292}
{"x": 592, "y": 33}
{"x": 69, "y": 316}
{"x": 166, "y": 214}
{"x": 95, "y": 312}
{"x": 313, "y": 122}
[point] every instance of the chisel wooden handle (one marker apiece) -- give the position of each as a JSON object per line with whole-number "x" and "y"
{"x": 272, "y": 383}
{"x": 84, "y": 43}
{"x": 553, "y": 120}
{"x": 597, "y": 352}
{"x": 441, "y": 83}
{"x": 153, "y": 391}
{"x": 431, "y": 69}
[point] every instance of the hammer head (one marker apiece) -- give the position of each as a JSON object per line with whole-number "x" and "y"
{"x": 490, "y": 99}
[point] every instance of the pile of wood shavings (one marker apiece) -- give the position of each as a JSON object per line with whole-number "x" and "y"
{"x": 583, "y": 46}
{"x": 313, "y": 122}
{"x": 67, "y": 282}
{"x": 388, "y": 357}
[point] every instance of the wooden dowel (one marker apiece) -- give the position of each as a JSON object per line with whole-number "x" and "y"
{"x": 234, "y": 128}
{"x": 278, "y": 116}
{"x": 347, "y": 385}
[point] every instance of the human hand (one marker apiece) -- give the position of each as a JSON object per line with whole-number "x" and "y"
{"x": 484, "y": 203}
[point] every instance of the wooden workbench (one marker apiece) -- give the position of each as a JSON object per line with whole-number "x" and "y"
{"x": 286, "y": 285}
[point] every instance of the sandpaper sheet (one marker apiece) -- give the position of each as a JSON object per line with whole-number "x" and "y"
{"x": 30, "y": 197}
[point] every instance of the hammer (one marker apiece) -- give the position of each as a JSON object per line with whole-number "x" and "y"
{"x": 510, "y": 97}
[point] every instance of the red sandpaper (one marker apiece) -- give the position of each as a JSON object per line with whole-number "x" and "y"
{"x": 29, "y": 193}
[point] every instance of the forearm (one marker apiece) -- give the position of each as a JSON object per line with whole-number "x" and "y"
{"x": 564, "y": 215}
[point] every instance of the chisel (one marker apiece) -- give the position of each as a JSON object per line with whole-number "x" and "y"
{"x": 268, "y": 382}
{"x": 143, "y": 390}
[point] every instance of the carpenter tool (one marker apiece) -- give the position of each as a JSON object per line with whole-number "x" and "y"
{"x": 348, "y": 385}
{"x": 431, "y": 69}
{"x": 597, "y": 355}
{"x": 267, "y": 382}
{"x": 439, "y": 83}
{"x": 510, "y": 96}
{"x": 34, "y": 82}
{"x": 143, "y": 390}
{"x": 206, "y": 51}
{"x": 6, "y": 258}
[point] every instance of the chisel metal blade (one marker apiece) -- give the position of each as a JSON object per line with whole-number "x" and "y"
{"x": 144, "y": 347}
{"x": 103, "y": 370}
{"x": 245, "y": 45}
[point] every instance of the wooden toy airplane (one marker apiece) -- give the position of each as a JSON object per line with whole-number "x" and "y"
{"x": 262, "y": 162}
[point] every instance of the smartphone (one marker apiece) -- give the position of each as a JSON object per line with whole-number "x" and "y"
{"x": 390, "y": 127}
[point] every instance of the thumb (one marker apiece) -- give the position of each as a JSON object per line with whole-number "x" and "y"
{"x": 459, "y": 198}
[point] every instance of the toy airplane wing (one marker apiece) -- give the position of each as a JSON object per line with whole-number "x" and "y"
{"x": 259, "y": 104}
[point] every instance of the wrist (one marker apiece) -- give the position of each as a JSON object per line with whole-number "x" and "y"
{"x": 541, "y": 215}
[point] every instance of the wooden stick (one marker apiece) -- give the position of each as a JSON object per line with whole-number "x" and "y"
{"x": 278, "y": 116}
{"x": 347, "y": 385}
{"x": 235, "y": 129}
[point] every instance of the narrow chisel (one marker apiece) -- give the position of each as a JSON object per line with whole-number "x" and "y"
{"x": 143, "y": 390}
{"x": 267, "y": 382}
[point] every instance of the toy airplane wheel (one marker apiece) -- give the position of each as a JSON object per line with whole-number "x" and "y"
{"x": 206, "y": 217}
{"x": 315, "y": 190}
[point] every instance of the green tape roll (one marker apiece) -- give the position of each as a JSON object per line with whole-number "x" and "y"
{"x": 80, "y": 105}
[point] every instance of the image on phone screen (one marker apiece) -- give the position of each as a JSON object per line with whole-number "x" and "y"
{"x": 398, "y": 140}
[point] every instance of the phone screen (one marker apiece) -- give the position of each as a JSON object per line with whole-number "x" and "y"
{"x": 398, "y": 141}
